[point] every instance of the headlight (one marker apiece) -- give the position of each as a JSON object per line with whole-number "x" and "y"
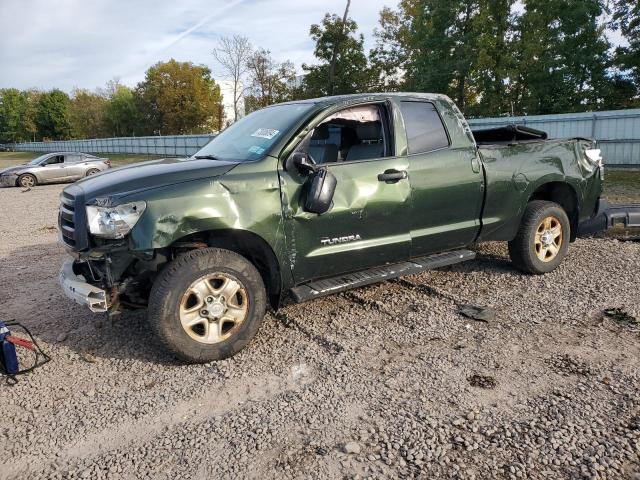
{"x": 114, "y": 222}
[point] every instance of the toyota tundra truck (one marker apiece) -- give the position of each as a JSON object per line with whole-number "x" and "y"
{"x": 310, "y": 198}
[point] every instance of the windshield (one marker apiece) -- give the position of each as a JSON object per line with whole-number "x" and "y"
{"x": 251, "y": 138}
{"x": 37, "y": 160}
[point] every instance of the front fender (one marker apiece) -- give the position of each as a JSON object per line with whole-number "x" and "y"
{"x": 247, "y": 199}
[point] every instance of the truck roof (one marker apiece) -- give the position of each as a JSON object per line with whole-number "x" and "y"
{"x": 355, "y": 97}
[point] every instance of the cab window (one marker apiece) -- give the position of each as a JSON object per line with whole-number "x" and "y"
{"x": 353, "y": 134}
{"x": 425, "y": 131}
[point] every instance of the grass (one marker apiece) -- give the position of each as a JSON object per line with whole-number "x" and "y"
{"x": 620, "y": 186}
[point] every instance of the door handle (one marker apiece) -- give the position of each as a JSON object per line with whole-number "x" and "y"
{"x": 392, "y": 176}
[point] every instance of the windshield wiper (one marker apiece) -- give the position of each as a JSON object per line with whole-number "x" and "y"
{"x": 206, "y": 157}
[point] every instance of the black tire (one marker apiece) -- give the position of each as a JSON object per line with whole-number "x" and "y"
{"x": 523, "y": 250}
{"x": 92, "y": 171}
{"x": 26, "y": 180}
{"x": 174, "y": 282}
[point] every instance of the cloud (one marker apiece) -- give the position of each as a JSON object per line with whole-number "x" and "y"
{"x": 80, "y": 43}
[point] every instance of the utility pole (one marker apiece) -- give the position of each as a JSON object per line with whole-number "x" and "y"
{"x": 334, "y": 56}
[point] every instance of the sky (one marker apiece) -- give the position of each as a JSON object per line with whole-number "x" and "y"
{"x": 85, "y": 43}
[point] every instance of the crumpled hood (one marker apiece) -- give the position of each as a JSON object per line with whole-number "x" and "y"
{"x": 14, "y": 169}
{"x": 119, "y": 182}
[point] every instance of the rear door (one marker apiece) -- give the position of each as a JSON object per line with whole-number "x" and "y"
{"x": 447, "y": 183}
{"x": 367, "y": 225}
{"x": 74, "y": 166}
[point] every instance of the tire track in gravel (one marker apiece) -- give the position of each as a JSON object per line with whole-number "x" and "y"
{"x": 233, "y": 395}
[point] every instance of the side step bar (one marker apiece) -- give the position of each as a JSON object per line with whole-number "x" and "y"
{"x": 328, "y": 286}
{"x": 607, "y": 216}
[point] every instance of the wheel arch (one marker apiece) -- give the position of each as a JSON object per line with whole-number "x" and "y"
{"x": 564, "y": 195}
{"x": 27, "y": 172}
{"x": 248, "y": 244}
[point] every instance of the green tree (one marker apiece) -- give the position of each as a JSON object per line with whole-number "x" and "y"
{"x": 52, "y": 116}
{"x": 562, "y": 57}
{"x": 179, "y": 98}
{"x": 432, "y": 45}
{"x": 270, "y": 82}
{"x": 12, "y": 107}
{"x": 337, "y": 44}
{"x": 86, "y": 114}
{"x": 390, "y": 55}
{"x": 121, "y": 117}
{"x": 626, "y": 17}
{"x": 29, "y": 127}
{"x": 494, "y": 62}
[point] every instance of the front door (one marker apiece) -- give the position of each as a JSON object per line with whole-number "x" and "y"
{"x": 368, "y": 223}
{"x": 52, "y": 169}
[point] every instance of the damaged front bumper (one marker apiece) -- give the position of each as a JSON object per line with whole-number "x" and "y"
{"x": 77, "y": 289}
{"x": 8, "y": 180}
{"x": 608, "y": 216}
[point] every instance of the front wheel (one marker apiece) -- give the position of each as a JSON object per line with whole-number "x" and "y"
{"x": 27, "y": 180}
{"x": 542, "y": 241}
{"x": 207, "y": 305}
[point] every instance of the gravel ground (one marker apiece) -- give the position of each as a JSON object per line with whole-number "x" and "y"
{"x": 386, "y": 381}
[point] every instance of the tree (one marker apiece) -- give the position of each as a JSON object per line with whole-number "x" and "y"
{"x": 390, "y": 55}
{"x": 178, "y": 98}
{"x": 626, "y": 17}
{"x": 562, "y": 57}
{"x": 86, "y": 114}
{"x": 233, "y": 54}
{"x": 12, "y": 108}
{"x": 121, "y": 116}
{"x": 430, "y": 46}
{"x": 270, "y": 82}
{"x": 29, "y": 126}
{"x": 52, "y": 115}
{"x": 494, "y": 62}
{"x": 343, "y": 66}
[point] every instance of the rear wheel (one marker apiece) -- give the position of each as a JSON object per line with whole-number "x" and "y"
{"x": 542, "y": 241}
{"x": 27, "y": 180}
{"x": 92, "y": 171}
{"x": 207, "y": 305}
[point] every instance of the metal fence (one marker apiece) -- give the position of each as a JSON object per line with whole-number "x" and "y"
{"x": 171, "y": 146}
{"x": 617, "y": 131}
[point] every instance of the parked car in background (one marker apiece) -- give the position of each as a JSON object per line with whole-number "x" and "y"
{"x": 3, "y": 147}
{"x": 55, "y": 167}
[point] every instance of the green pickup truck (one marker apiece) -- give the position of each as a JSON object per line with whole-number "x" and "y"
{"x": 310, "y": 198}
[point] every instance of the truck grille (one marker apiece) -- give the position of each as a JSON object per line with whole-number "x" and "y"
{"x": 72, "y": 221}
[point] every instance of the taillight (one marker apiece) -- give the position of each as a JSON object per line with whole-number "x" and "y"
{"x": 107, "y": 162}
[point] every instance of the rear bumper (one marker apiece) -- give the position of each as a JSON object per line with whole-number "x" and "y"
{"x": 77, "y": 289}
{"x": 607, "y": 216}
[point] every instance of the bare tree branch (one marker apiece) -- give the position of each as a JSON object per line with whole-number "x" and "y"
{"x": 232, "y": 54}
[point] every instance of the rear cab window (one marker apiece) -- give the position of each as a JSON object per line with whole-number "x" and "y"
{"x": 424, "y": 127}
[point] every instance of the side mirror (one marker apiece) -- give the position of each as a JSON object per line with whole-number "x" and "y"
{"x": 302, "y": 161}
{"x": 322, "y": 187}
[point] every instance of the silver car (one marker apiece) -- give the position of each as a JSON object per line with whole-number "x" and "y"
{"x": 53, "y": 168}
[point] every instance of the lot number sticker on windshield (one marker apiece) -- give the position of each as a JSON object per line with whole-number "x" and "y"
{"x": 268, "y": 133}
